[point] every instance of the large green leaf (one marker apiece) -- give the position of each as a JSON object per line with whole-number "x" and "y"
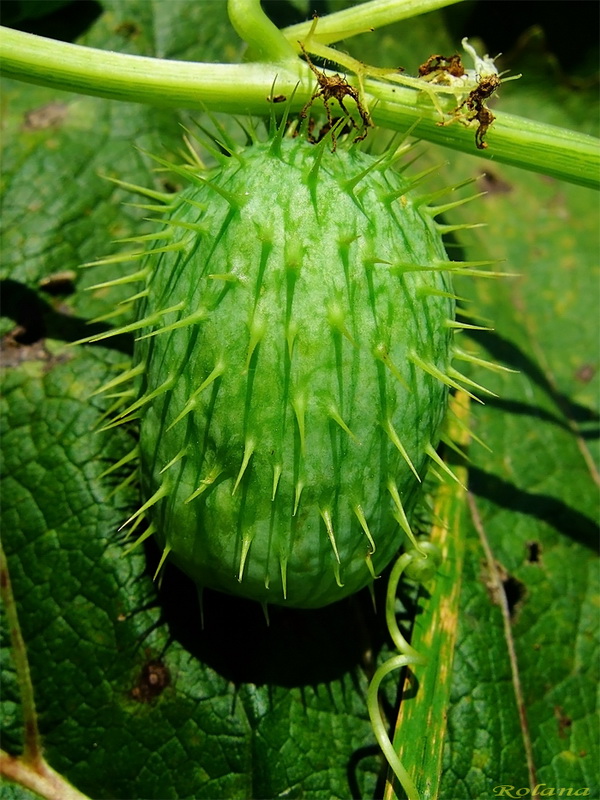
{"x": 135, "y": 698}
{"x": 535, "y": 503}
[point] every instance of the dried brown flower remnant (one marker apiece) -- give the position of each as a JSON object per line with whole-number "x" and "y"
{"x": 475, "y": 103}
{"x": 452, "y": 65}
{"x": 476, "y": 109}
{"x": 336, "y": 87}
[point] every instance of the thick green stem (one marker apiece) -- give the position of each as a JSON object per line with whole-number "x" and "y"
{"x": 265, "y": 40}
{"x": 521, "y": 142}
{"x": 233, "y": 88}
{"x": 246, "y": 88}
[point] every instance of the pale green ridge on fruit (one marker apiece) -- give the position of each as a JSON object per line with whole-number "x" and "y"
{"x": 293, "y": 351}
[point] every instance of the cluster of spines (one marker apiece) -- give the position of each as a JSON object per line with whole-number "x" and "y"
{"x": 450, "y": 377}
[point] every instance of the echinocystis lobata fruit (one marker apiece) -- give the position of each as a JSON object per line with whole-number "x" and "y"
{"x": 295, "y": 333}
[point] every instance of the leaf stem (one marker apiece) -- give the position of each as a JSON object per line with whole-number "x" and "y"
{"x": 42, "y": 779}
{"x": 245, "y": 89}
{"x": 32, "y": 746}
{"x": 31, "y": 769}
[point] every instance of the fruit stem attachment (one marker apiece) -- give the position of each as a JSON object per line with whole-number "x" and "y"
{"x": 265, "y": 40}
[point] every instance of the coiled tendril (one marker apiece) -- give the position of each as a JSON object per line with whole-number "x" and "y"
{"x": 420, "y": 565}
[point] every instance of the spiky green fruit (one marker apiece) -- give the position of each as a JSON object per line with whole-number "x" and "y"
{"x": 294, "y": 355}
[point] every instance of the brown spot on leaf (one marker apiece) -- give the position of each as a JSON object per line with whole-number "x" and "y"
{"x": 49, "y": 116}
{"x": 564, "y": 722}
{"x": 153, "y": 680}
{"x": 15, "y": 350}
{"x": 585, "y": 373}
{"x": 17, "y": 347}
{"x": 504, "y": 588}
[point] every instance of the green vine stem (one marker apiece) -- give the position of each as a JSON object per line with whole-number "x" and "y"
{"x": 264, "y": 39}
{"x": 364, "y": 17}
{"x": 245, "y": 89}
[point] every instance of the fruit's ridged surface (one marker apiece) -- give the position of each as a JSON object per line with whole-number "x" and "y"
{"x": 282, "y": 401}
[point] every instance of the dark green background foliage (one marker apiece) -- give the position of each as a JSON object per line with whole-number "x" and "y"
{"x": 241, "y": 710}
